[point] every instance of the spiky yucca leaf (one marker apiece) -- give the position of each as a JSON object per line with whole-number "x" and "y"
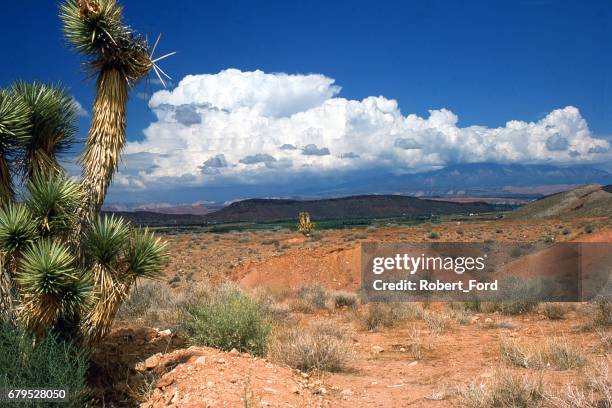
{"x": 105, "y": 246}
{"x": 52, "y": 115}
{"x": 107, "y": 240}
{"x": 146, "y": 255}
{"x": 92, "y": 27}
{"x": 96, "y": 29}
{"x": 46, "y": 268}
{"x": 46, "y": 276}
{"x": 14, "y": 126}
{"x": 17, "y": 228}
{"x": 53, "y": 201}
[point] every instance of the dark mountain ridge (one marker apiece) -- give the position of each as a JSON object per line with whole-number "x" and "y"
{"x": 268, "y": 210}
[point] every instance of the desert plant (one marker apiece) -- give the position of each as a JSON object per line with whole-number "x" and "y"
{"x": 344, "y": 299}
{"x": 47, "y": 363}
{"x": 556, "y": 353}
{"x": 63, "y": 268}
{"x": 14, "y": 128}
{"x": 304, "y": 225}
{"x": 506, "y": 390}
{"x": 554, "y": 311}
{"x": 311, "y": 298}
{"x": 385, "y": 315}
{"x": 119, "y": 58}
{"x": 228, "y": 319}
{"x": 318, "y": 347}
{"x": 52, "y": 114}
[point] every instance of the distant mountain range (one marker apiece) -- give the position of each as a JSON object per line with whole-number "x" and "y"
{"x": 455, "y": 181}
{"x": 483, "y": 179}
{"x": 267, "y": 210}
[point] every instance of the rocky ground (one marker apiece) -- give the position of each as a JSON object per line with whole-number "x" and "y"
{"x": 412, "y": 364}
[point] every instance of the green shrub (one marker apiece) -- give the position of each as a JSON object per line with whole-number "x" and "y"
{"x": 433, "y": 235}
{"x": 589, "y": 228}
{"x": 228, "y": 319}
{"x": 52, "y": 363}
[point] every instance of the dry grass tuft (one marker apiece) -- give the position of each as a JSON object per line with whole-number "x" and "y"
{"x": 437, "y": 323}
{"x": 555, "y": 311}
{"x": 385, "y": 315}
{"x": 556, "y": 353}
{"x": 318, "y": 347}
{"x": 506, "y": 390}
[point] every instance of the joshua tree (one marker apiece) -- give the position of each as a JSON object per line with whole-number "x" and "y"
{"x": 63, "y": 267}
{"x": 304, "y": 225}
{"x": 119, "y": 58}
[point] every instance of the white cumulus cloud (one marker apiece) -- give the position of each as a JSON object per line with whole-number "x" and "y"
{"x": 256, "y": 127}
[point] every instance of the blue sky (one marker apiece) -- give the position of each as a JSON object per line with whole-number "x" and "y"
{"x": 486, "y": 62}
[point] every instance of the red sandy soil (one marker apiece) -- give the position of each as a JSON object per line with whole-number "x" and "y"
{"x": 204, "y": 377}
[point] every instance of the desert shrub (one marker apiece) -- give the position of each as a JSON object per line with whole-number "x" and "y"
{"x": 556, "y": 353}
{"x": 604, "y": 311}
{"x": 554, "y": 311}
{"x": 228, "y": 319}
{"x": 385, "y": 315}
{"x": 318, "y": 347}
{"x": 143, "y": 297}
{"x": 344, "y": 299}
{"x": 518, "y": 296}
{"x": 274, "y": 312}
{"x": 596, "y": 392}
{"x": 311, "y": 298}
{"x": 589, "y": 228}
{"x": 433, "y": 235}
{"x": 566, "y": 231}
{"x": 462, "y": 317}
{"x": 506, "y": 390}
{"x": 51, "y": 363}
{"x": 437, "y": 323}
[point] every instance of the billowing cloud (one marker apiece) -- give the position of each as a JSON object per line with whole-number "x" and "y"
{"x": 556, "y": 142}
{"x": 254, "y": 128}
{"x": 313, "y": 150}
{"x": 80, "y": 110}
{"x": 257, "y": 158}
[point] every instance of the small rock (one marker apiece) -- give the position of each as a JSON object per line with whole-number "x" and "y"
{"x": 234, "y": 351}
{"x": 152, "y": 362}
{"x": 488, "y": 320}
{"x": 166, "y": 332}
{"x": 474, "y": 319}
{"x": 175, "y": 397}
{"x": 221, "y": 361}
{"x": 377, "y": 349}
{"x": 305, "y": 375}
{"x": 200, "y": 360}
{"x": 321, "y": 391}
{"x": 346, "y": 392}
{"x": 269, "y": 390}
{"x": 165, "y": 381}
{"x": 403, "y": 350}
{"x": 295, "y": 389}
{"x": 140, "y": 367}
{"x": 413, "y": 363}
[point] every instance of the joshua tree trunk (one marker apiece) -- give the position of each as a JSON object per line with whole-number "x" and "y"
{"x": 106, "y": 138}
{"x": 6, "y": 188}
